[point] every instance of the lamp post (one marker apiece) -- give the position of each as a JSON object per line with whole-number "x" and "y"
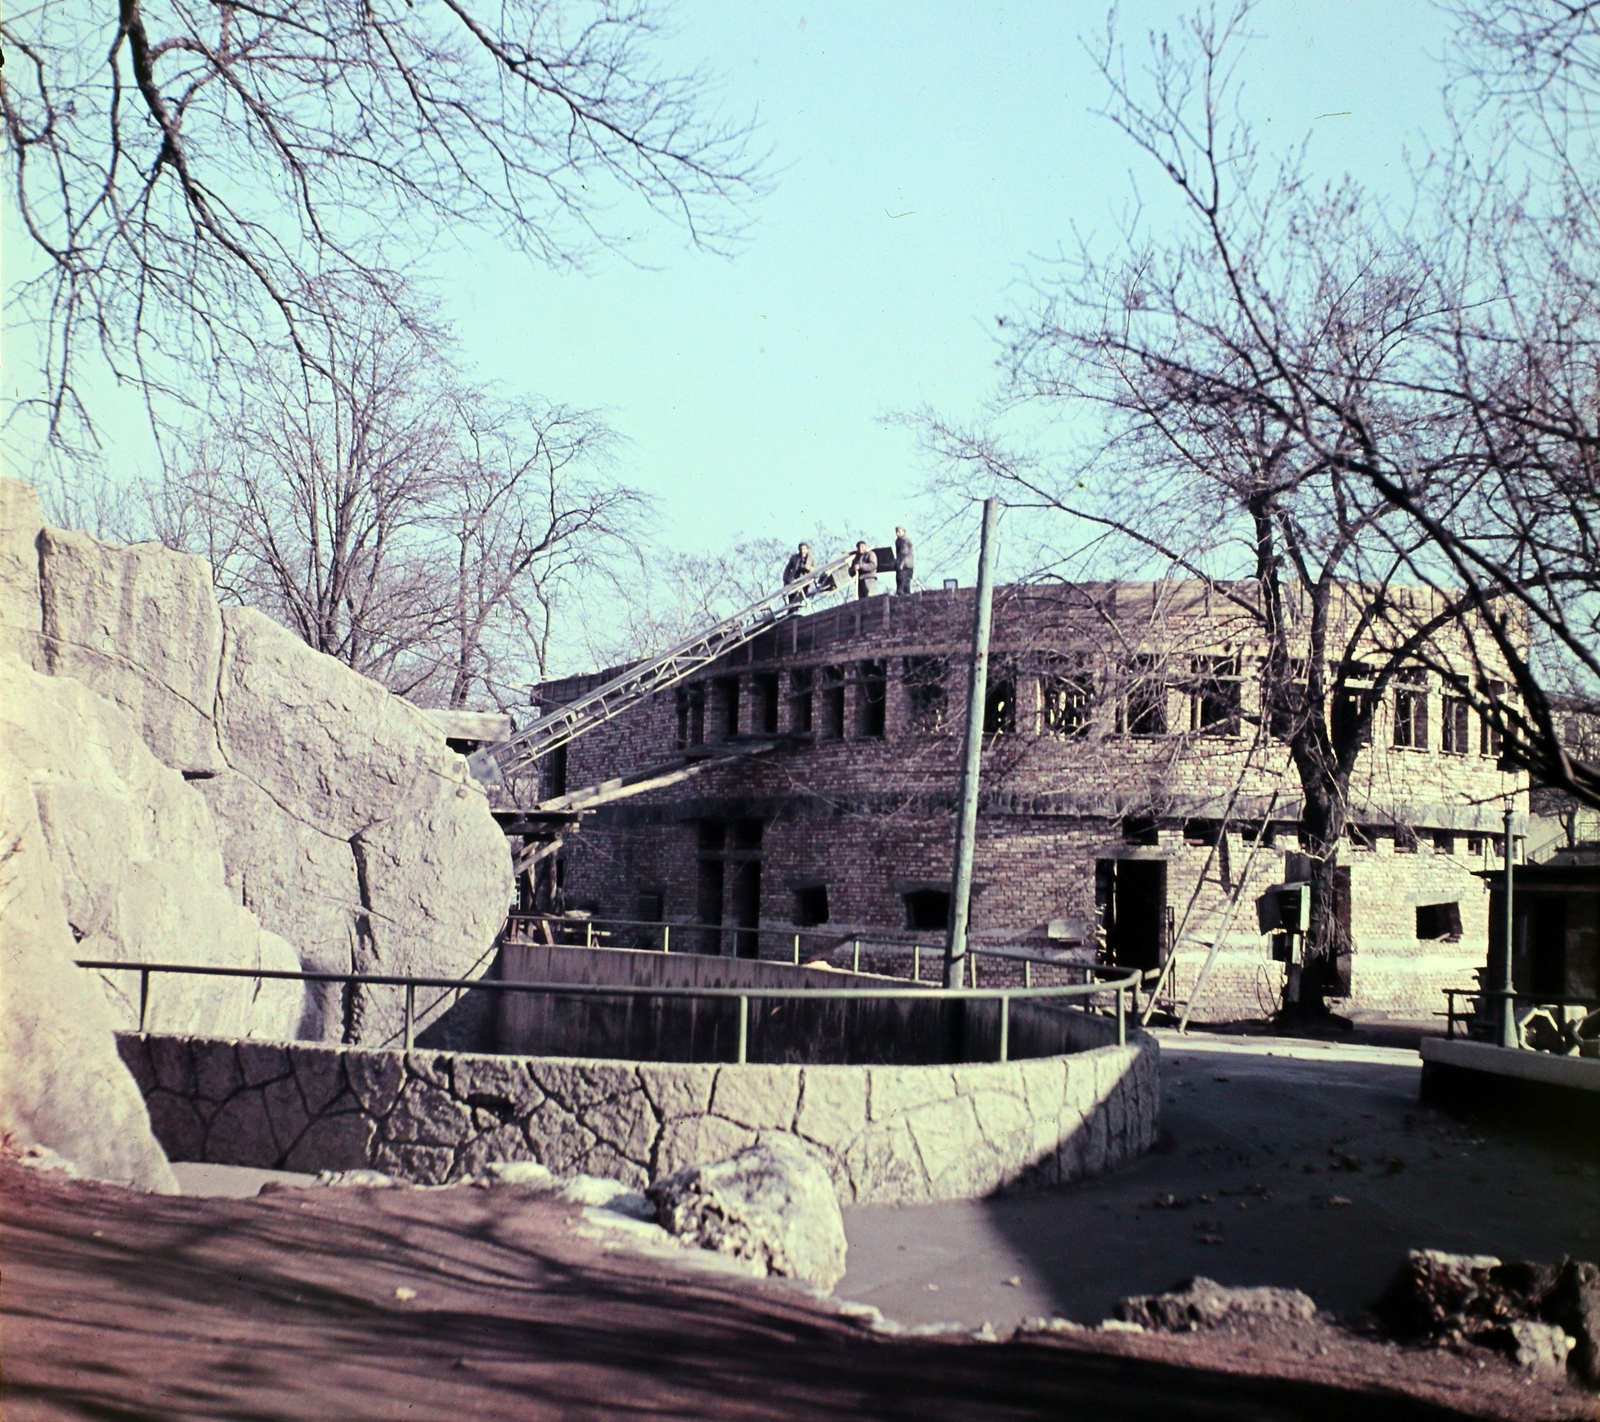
{"x": 1508, "y": 1007}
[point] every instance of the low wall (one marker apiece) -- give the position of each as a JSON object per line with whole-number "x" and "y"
{"x": 888, "y": 1134}
{"x": 904, "y": 1031}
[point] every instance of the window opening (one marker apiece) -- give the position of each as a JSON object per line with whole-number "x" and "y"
{"x": 801, "y": 682}
{"x": 811, "y": 906}
{"x": 555, "y": 773}
{"x": 1411, "y": 709}
{"x": 725, "y": 707}
{"x": 1000, "y": 705}
{"x": 764, "y": 708}
{"x": 1140, "y": 829}
{"x": 1145, "y": 699}
{"x": 873, "y": 698}
{"x": 830, "y": 693}
{"x": 926, "y": 693}
{"x": 1440, "y": 922}
{"x": 928, "y": 910}
{"x": 691, "y": 715}
{"x": 1067, "y": 693}
{"x": 1492, "y": 740}
{"x": 1455, "y": 725}
{"x": 1286, "y": 713}
{"x": 1215, "y": 696}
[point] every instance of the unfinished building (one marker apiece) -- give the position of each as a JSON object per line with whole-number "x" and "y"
{"x": 1132, "y": 804}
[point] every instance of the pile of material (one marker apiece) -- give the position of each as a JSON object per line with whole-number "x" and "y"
{"x": 1547, "y": 1318}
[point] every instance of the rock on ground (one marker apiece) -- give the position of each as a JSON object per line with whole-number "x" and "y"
{"x": 1202, "y": 1303}
{"x": 1517, "y": 1307}
{"x": 772, "y": 1204}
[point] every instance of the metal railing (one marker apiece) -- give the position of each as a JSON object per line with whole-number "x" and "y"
{"x": 1472, "y": 1014}
{"x": 1004, "y": 996}
{"x": 585, "y": 930}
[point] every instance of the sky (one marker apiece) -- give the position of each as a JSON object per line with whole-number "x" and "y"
{"x": 927, "y": 160}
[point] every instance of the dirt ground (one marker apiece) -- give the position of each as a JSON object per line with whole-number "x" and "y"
{"x": 390, "y": 1304}
{"x": 1308, "y": 1165}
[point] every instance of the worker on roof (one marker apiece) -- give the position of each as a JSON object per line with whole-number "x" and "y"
{"x": 904, "y": 561}
{"x": 864, "y": 569}
{"x": 801, "y": 565}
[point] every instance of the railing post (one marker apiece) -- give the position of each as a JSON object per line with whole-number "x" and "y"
{"x": 744, "y": 1028}
{"x": 1122, "y": 1017}
{"x": 588, "y": 933}
{"x": 1027, "y": 972}
{"x": 410, "y": 1036}
{"x": 855, "y": 956}
{"x": 666, "y": 937}
{"x": 916, "y": 962}
{"x": 797, "y": 950}
{"x": 1005, "y": 1026}
{"x": 144, "y": 998}
{"x": 974, "y": 960}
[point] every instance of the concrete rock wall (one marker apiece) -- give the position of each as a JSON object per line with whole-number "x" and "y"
{"x": 334, "y": 811}
{"x": 889, "y": 1135}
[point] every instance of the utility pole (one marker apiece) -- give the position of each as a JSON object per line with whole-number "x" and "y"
{"x": 1508, "y": 1004}
{"x": 955, "y": 948}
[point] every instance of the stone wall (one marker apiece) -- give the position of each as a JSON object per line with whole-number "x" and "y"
{"x": 889, "y": 1135}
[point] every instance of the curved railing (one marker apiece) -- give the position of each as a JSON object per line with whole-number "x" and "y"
{"x": 583, "y": 931}
{"x": 1119, "y": 986}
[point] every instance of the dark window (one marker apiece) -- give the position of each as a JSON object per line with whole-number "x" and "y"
{"x": 1455, "y": 725}
{"x": 725, "y": 707}
{"x": 1140, "y": 829}
{"x": 801, "y": 680}
{"x": 691, "y": 715}
{"x": 1067, "y": 693}
{"x": 928, "y": 910}
{"x": 830, "y": 692}
{"x": 649, "y": 908}
{"x": 1200, "y": 831}
{"x": 1439, "y": 921}
{"x": 1214, "y": 695}
{"x": 1361, "y": 836}
{"x": 1411, "y": 709}
{"x": 1352, "y": 716}
{"x": 764, "y": 703}
{"x": 811, "y": 906}
{"x": 1405, "y": 840}
{"x": 555, "y": 773}
{"x": 1000, "y": 706}
{"x": 1474, "y": 845}
{"x": 926, "y": 695}
{"x": 872, "y": 699}
{"x": 1145, "y": 708}
{"x": 746, "y": 834}
{"x": 1491, "y": 741}
{"x": 1444, "y": 842}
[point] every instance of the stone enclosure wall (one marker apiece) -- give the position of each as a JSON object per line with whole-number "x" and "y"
{"x": 888, "y": 1134}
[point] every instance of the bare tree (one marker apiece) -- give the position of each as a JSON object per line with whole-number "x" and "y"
{"x": 416, "y": 529}
{"x": 189, "y": 175}
{"x": 1249, "y": 371}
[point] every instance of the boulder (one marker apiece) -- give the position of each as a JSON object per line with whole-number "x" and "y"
{"x": 1574, "y": 1303}
{"x": 140, "y": 626}
{"x": 349, "y": 826}
{"x": 344, "y": 823}
{"x": 66, "y": 1089}
{"x": 772, "y": 1204}
{"x": 134, "y": 864}
{"x": 1202, "y": 1303}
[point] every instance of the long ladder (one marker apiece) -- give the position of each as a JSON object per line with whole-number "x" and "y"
{"x": 491, "y": 764}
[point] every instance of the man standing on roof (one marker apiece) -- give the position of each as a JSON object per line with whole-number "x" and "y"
{"x": 864, "y": 569}
{"x": 801, "y": 565}
{"x": 904, "y": 561}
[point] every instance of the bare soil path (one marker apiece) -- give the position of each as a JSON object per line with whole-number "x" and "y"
{"x": 400, "y": 1304}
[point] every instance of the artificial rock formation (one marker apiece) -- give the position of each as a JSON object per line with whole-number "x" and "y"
{"x": 343, "y": 822}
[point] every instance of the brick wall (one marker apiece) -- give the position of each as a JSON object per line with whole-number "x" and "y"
{"x": 869, "y": 815}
